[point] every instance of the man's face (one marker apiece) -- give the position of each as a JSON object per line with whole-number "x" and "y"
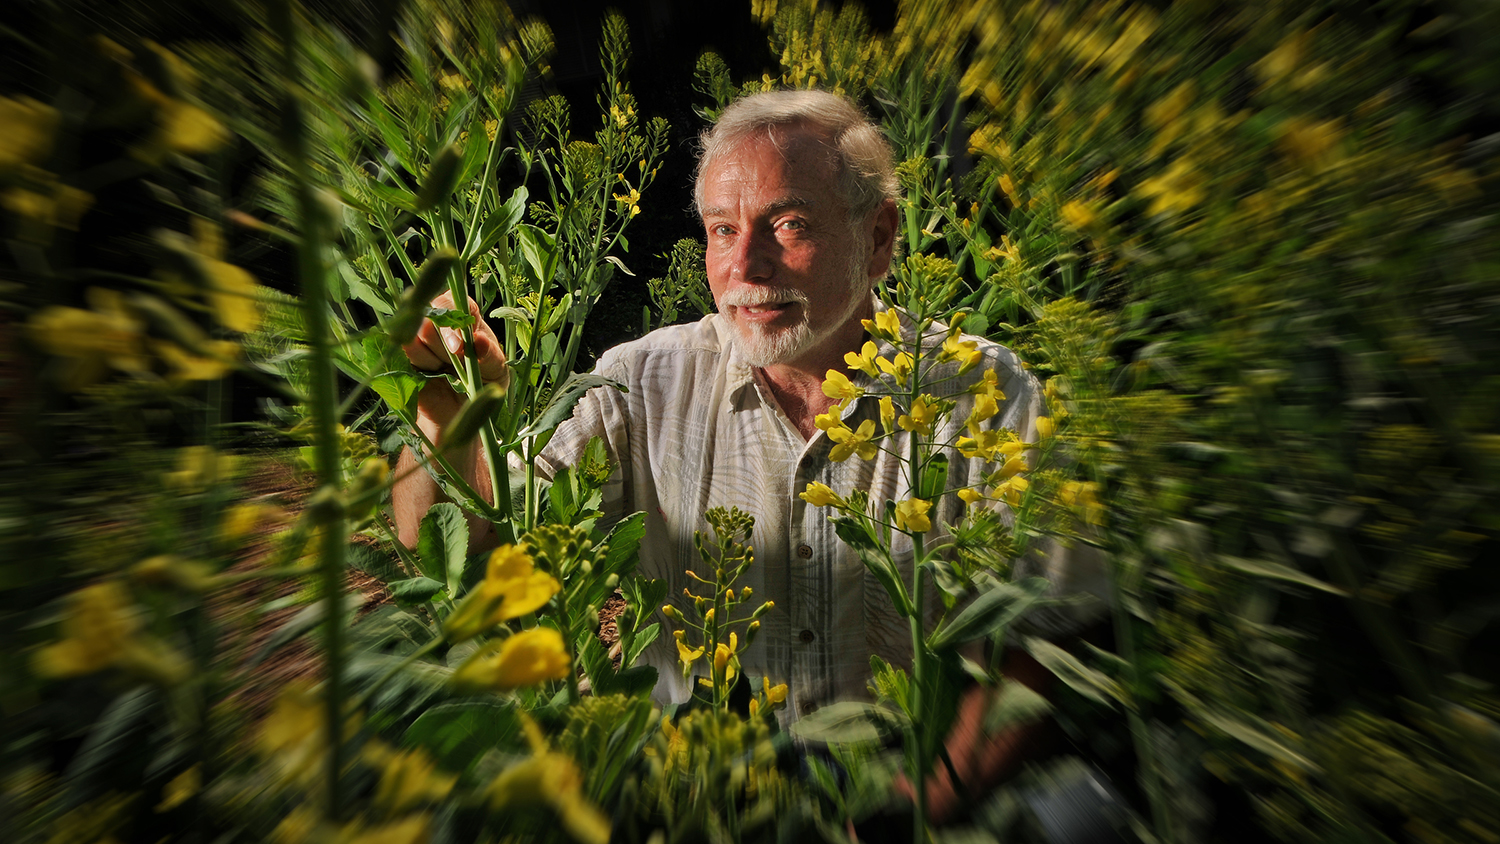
{"x": 787, "y": 269}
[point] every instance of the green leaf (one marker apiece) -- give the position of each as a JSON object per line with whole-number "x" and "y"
{"x": 442, "y": 543}
{"x": 442, "y": 178}
{"x": 877, "y": 559}
{"x": 564, "y": 399}
{"x": 601, "y": 672}
{"x": 391, "y": 195}
{"x": 299, "y": 624}
{"x": 537, "y": 247}
{"x": 641, "y": 640}
{"x": 624, "y": 542}
{"x": 934, "y": 477}
{"x": 644, "y": 595}
{"x": 1277, "y": 571}
{"x": 1016, "y": 704}
{"x": 416, "y": 590}
{"x": 450, "y": 317}
{"x": 992, "y": 610}
{"x": 498, "y": 224}
{"x": 116, "y": 748}
{"x": 374, "y": 562}
{"x": 1091, "y": 683}
{"x": 399, "y": 391}
{"x": 1260, "y": 739}
{"x": 845, "y": 722}
{"x": 459, "y": 734}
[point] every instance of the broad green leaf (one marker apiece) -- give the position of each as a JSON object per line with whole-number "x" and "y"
{"x": 390, "y": 195}
{"x": 373, "y": 562}
{"x": 459, "y": 734}
{"x": 624, "y": 541}
{"x": 117, "y": 743}
{"x": 416, "y": 590}
{"x": 602, "y": 675}
{"x": 1091, "y": 683}
{"x": 643, "y": 595}
{"x": 564, "y": 399}
{"x": 1016, "y": 704}
{"x": 1279, "y": 572}
{"x": 934, "y": 477}
{"x": 498, "y": 224}
{"x": 399, "y": 391}
{"x": 537, "y": 247}
{"x": 641, "y": 640}
{"x": 991, "y": 611}
{"x": 442, "y": 543}
{"x": 847, "y": 721}
{"x": 450, "y": 317}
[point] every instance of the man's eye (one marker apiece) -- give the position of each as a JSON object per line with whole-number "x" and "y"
{"x": 793, "y": 225}
{"x": 720, "y": 230}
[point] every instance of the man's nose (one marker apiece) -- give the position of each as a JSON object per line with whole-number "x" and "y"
{"x": 751, "y": 259}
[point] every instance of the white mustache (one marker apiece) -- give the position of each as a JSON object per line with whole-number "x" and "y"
{"x": 758, "y": 296}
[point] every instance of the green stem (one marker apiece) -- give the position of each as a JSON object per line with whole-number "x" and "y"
{"x": 919, "y": 664}
{"x": 324, "y": 398}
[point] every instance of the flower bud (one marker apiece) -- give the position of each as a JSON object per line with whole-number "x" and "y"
{"x": 670, "y": 612}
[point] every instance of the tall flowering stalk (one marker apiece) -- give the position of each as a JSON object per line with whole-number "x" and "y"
{"x": 934, "y": 406}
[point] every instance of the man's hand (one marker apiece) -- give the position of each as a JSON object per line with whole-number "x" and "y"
{"x": 436, "y": 349}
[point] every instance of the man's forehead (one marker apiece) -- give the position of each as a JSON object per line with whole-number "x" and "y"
{"x": 780, "y": 203}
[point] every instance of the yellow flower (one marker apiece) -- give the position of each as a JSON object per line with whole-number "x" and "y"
{"x": 774, "y": 694}
{"x": 107, "y": 335}
{"x": 984, "y": 408}
{"x": 887, "y": 414}
{"x": 969, "y": 495}
{"x": 242, "y": 519}
{"x": 886, "y": 325}
{"x": 923, "y": 414}
{"x": 864, "y": 360}
{"x": 294, "y": 737}
{"x": 630, "y": 200}
{"x": 911, "y": 516}
{"x": 407, "y": 778}
{"x": 1045, "y": 428}
{"x": 413, "y": 829}
{"x": 900, "y": 368}
{"x": 512, "y": 587}
{"x": 821, "y": 495}
{"x": 836, "y": 385}
{"x": 960, "y": 350}
{"x": 831, "y": 419}
{"x": 1011, "y": 490}
{"x": 524, "y": 659}
{"x": 725, "y": 661}
{"x": 181, "y": 789}
{"x": 1014, "y": 466}
{"x": 853, "y": 441}
{"x": 980, "y": 443}
{"x": 686, "y": 655}
{"x": 989, "y": 386}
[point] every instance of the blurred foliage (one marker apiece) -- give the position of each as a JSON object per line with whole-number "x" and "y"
{"x": 1250, "y": 246}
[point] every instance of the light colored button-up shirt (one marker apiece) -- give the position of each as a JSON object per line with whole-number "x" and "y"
{"x": 699, "y": 429}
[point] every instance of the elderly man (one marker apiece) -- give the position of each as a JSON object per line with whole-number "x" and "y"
{"x": 797, "y": 196}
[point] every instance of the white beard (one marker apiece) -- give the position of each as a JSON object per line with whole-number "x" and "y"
{"x": 762, "y": 347}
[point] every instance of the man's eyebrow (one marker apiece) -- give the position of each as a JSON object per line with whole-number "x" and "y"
{"x": 769, "y": 208}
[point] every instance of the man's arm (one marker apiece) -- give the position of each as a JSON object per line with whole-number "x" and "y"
{"x": 435, "y": 349}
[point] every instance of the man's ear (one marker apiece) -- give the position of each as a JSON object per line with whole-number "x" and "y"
{"x": 883, "y": 226}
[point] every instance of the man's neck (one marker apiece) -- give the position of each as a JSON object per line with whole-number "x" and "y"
{"x": 800, "y": 395}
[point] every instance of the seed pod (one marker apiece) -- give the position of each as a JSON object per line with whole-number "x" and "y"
{"x": 478, "y": 410}
{"x": 431, "y": 280}
{"x": 442, "y": 177}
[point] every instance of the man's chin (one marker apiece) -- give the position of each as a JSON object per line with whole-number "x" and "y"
{"x": 767, "y": 348}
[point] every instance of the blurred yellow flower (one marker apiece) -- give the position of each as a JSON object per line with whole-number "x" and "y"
{"x": 1083, "y": 495}
{"x": 820, "y": 495}
{"x": 864, "y": 360}
{"x": 407, "y": 778}
{"x": 234, "y": 296}
{"x": 107, "y": 335}
{"x": 199, "y": 467}
{"x": 553, "y": 779}
{"x": 26, "y": 130}
{"x": 1011, "y": 490}
{"x": 911, "y": 516}
{"x": 887, "y": 414}
{"x": 984, "y": 408}
{"x": 1079, "y": 215}
{"x": 853, "y": 441}
{"x": 413, "y": 829}
{"x": 187, "y": 366}
{"x": 180, "y": 789}
{"x": 293, "y": 739}
{"x": 99, "y": 621}
{"x": 523, "y": 659}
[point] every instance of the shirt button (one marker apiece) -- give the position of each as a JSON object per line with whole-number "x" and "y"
{"x": 804, "y": 551}
{"x": 806, "y": 636}
{"x": 809, "y": 708}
